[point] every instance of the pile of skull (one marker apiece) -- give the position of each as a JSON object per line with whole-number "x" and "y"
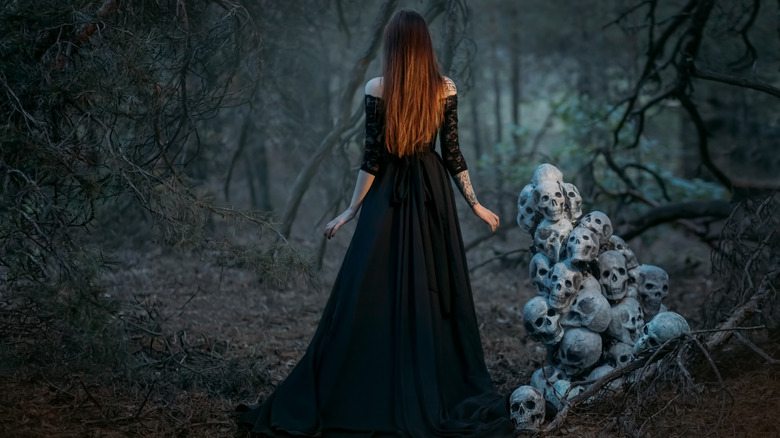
{"x": 593, "y": 298}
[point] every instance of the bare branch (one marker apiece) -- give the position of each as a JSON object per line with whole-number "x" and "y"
{"x": 671, "y": 212}
{"x": 731, "y": 80}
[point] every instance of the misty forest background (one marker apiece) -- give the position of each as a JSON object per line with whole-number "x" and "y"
{"x": 167, "y": 168}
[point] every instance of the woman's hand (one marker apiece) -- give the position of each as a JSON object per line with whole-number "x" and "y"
{"x": 486, "y": 215}
{"x": 335, "y": 224}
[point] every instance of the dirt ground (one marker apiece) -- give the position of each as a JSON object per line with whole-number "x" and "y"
{"x": 209, "y": 338}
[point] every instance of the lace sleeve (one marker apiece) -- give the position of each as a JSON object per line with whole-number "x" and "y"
{"x": 450, "y": 148}
{"x": 375, "y": 139}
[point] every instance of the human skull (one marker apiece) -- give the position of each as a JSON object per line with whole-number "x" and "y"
{"x": 573, "y": 201}
{"x": 549, "y": 200}
{"x": 563, "y": 284}
{"x": 562, "y": 391}
{"x": 601, "y": 371}
{"x": 627, "y": 321}
{"x": 544, "y": 378}
{"x": 614, "y": 275}
{"x": 538, "y": 269}
{"x": 589, "y": 282}
{"x": 589, "y": 310}
{"x": 580, "y": 348}
{"x": 550, "y": 236}
{"x": 546, "y": 172}
{"x": 619, "y": 354}
{"x": 652, "y": 288}
{"x": 527, "y": 217}
{"x": 621, "y": 246}
{"x": 663, "y": 327}
{"x": 542, "y": 322}
{"x": 600, "y": 224}
{"x": 526, "y": 409}
{"x": 631, "y": 285}
{"x": 582, "y": 245}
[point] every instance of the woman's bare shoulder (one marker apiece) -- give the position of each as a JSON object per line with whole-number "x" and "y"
{"x": 374, "y": 87}
{"x": 450, "y": 88}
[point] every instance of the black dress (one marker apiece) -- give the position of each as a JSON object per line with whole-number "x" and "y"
{"x": 397, "y": 351}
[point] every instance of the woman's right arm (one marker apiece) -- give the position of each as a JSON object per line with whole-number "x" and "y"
{"x": 372, "y": 158}
{"x": 363, "y": 183}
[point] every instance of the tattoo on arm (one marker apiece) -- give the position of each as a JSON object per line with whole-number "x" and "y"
{"x": 450, "y": 85}
{"x": 463, "y": 182}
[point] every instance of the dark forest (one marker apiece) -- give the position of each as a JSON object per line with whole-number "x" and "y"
{"x": 167, "y": 168}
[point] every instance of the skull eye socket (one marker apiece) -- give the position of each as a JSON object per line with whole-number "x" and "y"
{"x": 598, "y": 221}
{"x": 539, "y": 322}
{"x": 568, "y": 283}
{"x": 515, "y": 407}
{"x": 530, "y": 405}
{"x": 551, "y": 312}
{"x": 571, "y": 194}
{"x": 585, "y": 237}
{"x": 605, "y": 274}
{"x": 649, "y": 286}
{"x": 558, "y": 195}
{"x": 623, "y": 358}
{"x": 529, "y": 210}
{"x": 575, "y": 357}
{"x": 542, "y": 272}
{"x": 545, "y": 198}
{"x": 665, "y": 288}
{"x": 621, "y": 271}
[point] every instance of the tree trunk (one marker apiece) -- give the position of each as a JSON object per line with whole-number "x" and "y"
{"x": 516, "y": 77}
{"x": 448, "y": 50}
{"x": 475, "y": 123}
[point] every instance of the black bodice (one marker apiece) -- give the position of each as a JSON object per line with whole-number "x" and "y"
{"x": 376, "y": 153}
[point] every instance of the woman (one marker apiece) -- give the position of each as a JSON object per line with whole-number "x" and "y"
{"x": 397, "y": 351}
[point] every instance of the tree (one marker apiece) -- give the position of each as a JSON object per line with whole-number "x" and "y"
{"x": 106, "y": 108}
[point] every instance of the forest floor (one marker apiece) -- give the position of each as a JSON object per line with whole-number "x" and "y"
{"x": 204, "y": 339}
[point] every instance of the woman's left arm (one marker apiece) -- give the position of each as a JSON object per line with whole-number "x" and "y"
{"x": 454, "y": 161}
{"x": 463, "y": 181}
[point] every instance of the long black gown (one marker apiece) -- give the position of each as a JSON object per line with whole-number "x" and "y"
{"x": 397, "y": 351}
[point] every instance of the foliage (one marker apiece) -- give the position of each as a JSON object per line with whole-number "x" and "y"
{"x": 580, "y": 128}
{"x": 105, "y": 105}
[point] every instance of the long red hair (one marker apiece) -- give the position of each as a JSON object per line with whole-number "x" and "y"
{"x": 412, "y": 85}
